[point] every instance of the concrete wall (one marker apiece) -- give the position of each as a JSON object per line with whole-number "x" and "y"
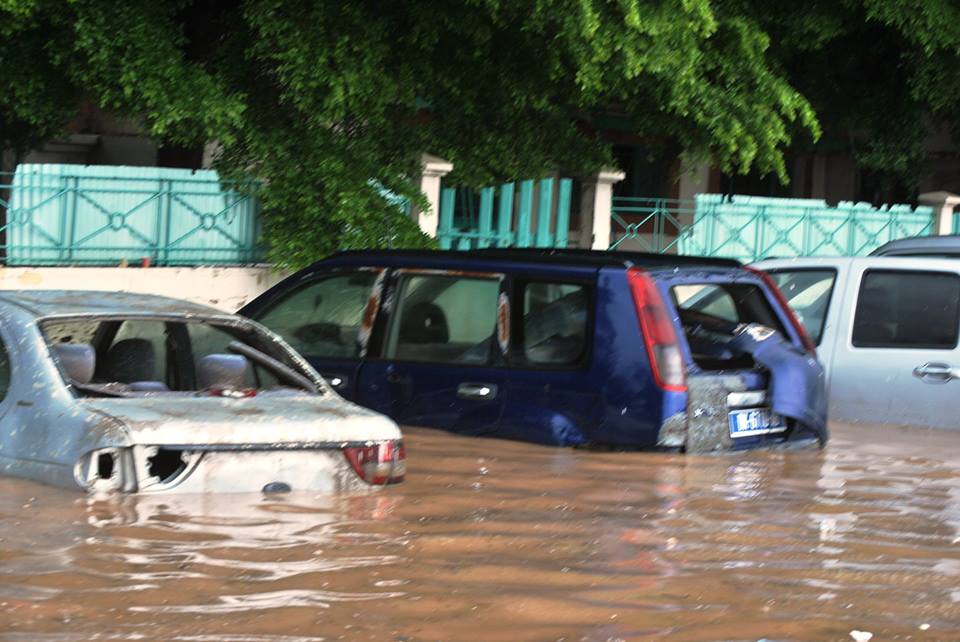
{"x": 227, "y": 288}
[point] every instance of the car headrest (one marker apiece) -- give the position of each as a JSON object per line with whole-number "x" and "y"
{"x": 78, "y": 360}
{"x": 128, "y": 361}
{"x": 226, "y": 371}
{"x": 424, "y": 323}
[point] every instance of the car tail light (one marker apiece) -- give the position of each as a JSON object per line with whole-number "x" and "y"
{"x": 805, "y": 339}
{"x": 383, "y": 462}
{"x": 659, "y": 333}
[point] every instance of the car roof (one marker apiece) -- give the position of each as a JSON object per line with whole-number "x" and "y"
{"x": 44, "y": 303}
{"x": 943, "y": 246}
{"x": 539, "y": 256}
{"x": 892, "y": 262}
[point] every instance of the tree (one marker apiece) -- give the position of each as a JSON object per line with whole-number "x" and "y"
{"x": 330, "y": 102}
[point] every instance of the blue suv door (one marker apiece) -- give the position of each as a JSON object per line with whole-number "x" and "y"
{"x": 554, "y": 397}
{"x": 441, "y": 352}
{"x": 327, "y": 316}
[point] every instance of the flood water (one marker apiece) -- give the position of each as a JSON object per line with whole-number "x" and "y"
{"x": 494, "y": 540}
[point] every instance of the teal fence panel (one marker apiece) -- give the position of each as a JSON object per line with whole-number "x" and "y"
{"x": 751, "y": 228}
{"x": 544, "y": 208}
{"x": 505, "y": 216}
{"x": 535, "y": 215}
{"x": 445, "y": 228}
{"x": 525, "y": 219}
{"x": 563, "y": 213}
{"x": 656, "y": 225}
{"x": 104, "y": 215}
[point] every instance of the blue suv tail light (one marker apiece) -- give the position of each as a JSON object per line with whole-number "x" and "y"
{"x": 659, "y": 333}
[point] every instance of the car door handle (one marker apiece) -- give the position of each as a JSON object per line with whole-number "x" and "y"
{"x": 336, "y": 381}
{"x": 937, "y": 373}
{"x": 477, "y": 391}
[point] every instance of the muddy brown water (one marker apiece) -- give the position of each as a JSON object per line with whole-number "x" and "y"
{"x": 494, "y": 540}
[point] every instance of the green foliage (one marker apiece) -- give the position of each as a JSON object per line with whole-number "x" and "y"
{"x": 329, "y": 102}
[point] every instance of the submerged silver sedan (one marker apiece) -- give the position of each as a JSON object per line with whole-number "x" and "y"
{"x": 108, "y": 391}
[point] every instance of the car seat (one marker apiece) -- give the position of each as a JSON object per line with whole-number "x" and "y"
{"x": 133, "y": 362}
{"x": 422, "y": 324}
{"x": 78, "y": 360}
{"x": 224, "y": 371}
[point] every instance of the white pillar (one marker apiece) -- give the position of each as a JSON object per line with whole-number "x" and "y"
{"x": 942, "y": 204}
{"x": 434, "y": 169}
{"x": 599, "y": 219}
{"x": 693, "y": 180}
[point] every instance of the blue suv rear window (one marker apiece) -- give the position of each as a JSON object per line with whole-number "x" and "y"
{"x": 710, "y": 312}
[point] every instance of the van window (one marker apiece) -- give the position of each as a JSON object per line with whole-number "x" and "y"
{"x": 809, "y": 293}
{"x": 710, "y": 314}
{"x": 323, "y": 317}
{"x": 554, "y": 323}
{"x": 906, "y": 309}
{"x": 444, "y": 319}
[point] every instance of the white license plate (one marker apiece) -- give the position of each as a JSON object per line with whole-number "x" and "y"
{"x": 758, "y": 421}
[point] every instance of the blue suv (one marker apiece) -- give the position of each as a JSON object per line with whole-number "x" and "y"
{"x": 560, "y": 347}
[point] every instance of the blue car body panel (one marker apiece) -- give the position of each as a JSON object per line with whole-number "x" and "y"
{"x": 610, "y": 397}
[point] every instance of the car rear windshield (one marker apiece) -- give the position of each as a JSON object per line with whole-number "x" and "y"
{"x": 146, "y": 356}
{"x": 710, "y": 314}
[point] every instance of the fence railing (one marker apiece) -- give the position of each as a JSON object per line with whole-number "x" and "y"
{"x": 59, "y": 218}
{"x": 752, "y": 228}
{"x": 525, "y": 214}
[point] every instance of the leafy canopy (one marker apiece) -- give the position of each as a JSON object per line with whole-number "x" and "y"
{"x": 329, "y": 102}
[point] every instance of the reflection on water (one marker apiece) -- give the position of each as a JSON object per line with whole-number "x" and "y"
{"x": 492, "y": 540}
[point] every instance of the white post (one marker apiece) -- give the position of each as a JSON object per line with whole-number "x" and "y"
{"x": 693, "y": 180}
{"x": 434, "y": 169}
{"x": 602, "y": 190}
{"x": 942, "y": 204}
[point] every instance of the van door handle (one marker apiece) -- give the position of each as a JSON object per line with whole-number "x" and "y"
{"x": 477, "y": 391}
{"x": 936, "y": 373}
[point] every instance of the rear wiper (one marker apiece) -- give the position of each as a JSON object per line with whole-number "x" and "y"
{"x": 278, "y": 368}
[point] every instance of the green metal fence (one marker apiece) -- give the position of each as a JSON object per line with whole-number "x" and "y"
{"x": 103, "y": 215}
{"x": 525, "y": 214}
{"x": 752, "y": 228}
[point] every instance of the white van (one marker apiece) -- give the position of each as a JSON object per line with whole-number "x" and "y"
{"x": 886, "y": 331}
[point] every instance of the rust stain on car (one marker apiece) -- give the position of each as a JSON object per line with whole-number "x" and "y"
{"x": 503, "y": 322}
{"x": 370, "y": 313}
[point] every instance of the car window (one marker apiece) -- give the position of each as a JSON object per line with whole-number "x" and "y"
{"x": 444, "y": 319}
{"x": 903, "y": 309}
{"x": 323, "y": 317}
{"x": 131, "y": 357}
{"x": 710, "y": 314}
{"x": 809, "y": 293}
{"x": 554, "y": 323}
{"x": 207, "y": 340}
{"x": 4, "y": 370}
{"x": 708, "y": 299}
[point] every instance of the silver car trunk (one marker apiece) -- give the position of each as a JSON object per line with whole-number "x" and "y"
{"x": 263, "y": 420}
